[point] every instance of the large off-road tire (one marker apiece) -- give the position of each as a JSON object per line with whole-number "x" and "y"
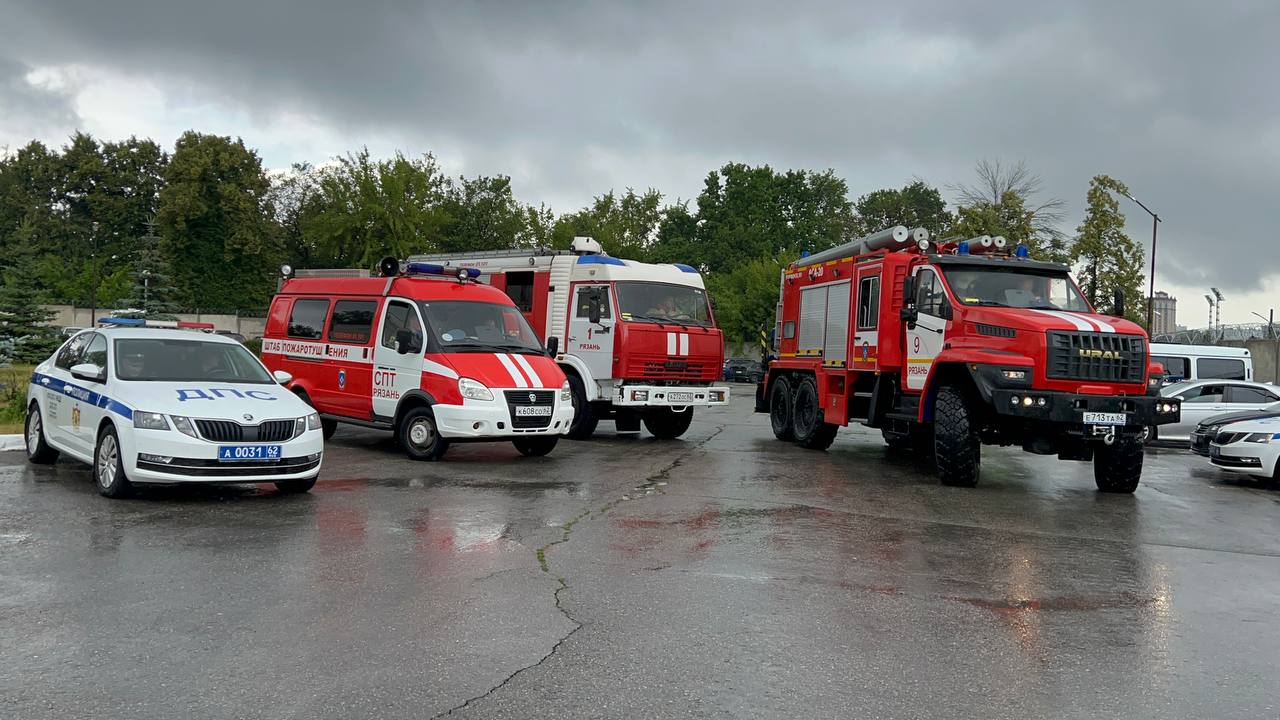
{"x": 293, "y": 487}
{"x": 666, "y": 423}
{"x": 584, "y": 420}
{"x": 108, "y": 466}
{"x": 780, "y": 402}
{"x": 957, "y": 451}
{"x": 536, "y": 446}
{"x": 807, "y": 423}
{"x": 1117, "y": 468}
{"x": 38, "y": 449}
{"x": 1150, "y": 434}
{"x": 419, "y": 435}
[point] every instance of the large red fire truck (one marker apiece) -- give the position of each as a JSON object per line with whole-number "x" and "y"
{"x": 638, "y": 341}
{"x": 945, "y": 346}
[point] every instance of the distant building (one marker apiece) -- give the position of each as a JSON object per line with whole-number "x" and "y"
{"x": 1165, "y": 319}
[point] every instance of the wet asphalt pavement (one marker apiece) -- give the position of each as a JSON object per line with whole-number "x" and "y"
{"x": 724, "y": 575}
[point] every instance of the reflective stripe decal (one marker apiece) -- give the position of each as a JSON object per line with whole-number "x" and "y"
{"x": 677, "y": 343}
{"x": 528, "y": 369}
{"x": 1105, "y": 326}
{"x": 1079, "y": 322}
{"x": 516, "y": 376}
{"x": 671, "y": 343}
{"x": 435, "y": 368}
{"x": 684, "y": 343}
{"x": 83, "y": 394}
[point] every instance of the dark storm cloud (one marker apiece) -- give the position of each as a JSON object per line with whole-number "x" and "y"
{"x": 26, "y": 108}
{"x": 1176, "y": 101}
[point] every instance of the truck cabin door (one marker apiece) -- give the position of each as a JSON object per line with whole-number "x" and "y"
{"x": 866, "y": 336}
{"x": 397, "y": 358}
{"x": 926, "y": 337}
{"x": 591, "y": 330}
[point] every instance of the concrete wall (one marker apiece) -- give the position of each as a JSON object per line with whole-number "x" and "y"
{"x": 250, "y": 327}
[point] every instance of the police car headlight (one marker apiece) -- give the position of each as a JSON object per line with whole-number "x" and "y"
{"x": 149, "y": 421}
{"x": 1260, "y": 438}
{"x": 566, "y": 395}
{"x": 473, "y": 389}
{"x": 184, "y": 425}
{"x": 313, "y": 421}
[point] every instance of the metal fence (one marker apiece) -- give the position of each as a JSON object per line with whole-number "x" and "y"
{"x": 1219, "y": 333}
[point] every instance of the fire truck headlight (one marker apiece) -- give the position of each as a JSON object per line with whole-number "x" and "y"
{"x": 184, "y": 426}
{"x": 149, "y": 421}
{"x": 639, "y": 395}
{"x": 473, "y": 389}
{"x": 566, "y": 395}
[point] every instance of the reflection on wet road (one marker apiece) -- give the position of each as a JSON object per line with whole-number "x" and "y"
{"x": 724, "y": 575}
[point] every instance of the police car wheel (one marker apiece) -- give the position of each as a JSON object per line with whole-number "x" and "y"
{"x": 328, "y": 427}
{"x": 108, "y": 468}
{"x": 38, "y": 450}
{"x": 535, "y": 446}
{"x": 419, "y": 435}
{"x": 290, "y": 487}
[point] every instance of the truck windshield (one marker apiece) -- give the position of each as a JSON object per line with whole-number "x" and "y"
{"x": 461, "y": 326}
{"x": 169, "y": 360}
{"x": 663, "y": 303}
{"x": 1010, "y": 287}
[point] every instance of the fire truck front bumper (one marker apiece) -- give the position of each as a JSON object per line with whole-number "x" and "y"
{"x": 670, "y": 396}
{"x": 1085, "y": 411}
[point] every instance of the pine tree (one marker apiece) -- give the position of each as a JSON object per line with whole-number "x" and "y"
{"x": 1105, "y": 257}
{"x": 23, "y": 321}
{"x": 152, "y": 291}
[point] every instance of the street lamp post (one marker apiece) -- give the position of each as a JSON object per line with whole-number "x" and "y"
{"x": 1271, "y": 322}
{"x": 1151, "y": 288}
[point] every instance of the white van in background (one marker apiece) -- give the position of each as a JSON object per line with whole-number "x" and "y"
{"x": 1202, "y": 362}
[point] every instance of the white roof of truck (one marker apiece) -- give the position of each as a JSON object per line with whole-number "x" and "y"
{"x": 1198, "y": 350}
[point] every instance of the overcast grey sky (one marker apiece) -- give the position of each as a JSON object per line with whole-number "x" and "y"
{"x": 1179, "y": 100}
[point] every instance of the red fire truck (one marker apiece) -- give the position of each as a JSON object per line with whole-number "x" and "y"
{"x": 639, "y": 341}
{"x": 426, "y": 352}
{"x": 945, "y": 346}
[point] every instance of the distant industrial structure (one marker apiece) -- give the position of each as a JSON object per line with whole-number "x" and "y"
{"x": 1165, "y": 307}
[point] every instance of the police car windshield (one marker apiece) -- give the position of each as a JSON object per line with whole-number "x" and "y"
{"x": 171, "y": 360}
{"x": 1006, "y": 287}
{"x": 460, "y": 326}
{"x": 661, "y": 303}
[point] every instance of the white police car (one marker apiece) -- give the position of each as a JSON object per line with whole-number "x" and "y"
{"x": 147, "y": 405}
{"x": 1249, "y": 446}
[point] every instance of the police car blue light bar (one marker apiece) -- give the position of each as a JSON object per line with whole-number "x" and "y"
{"x": 419, "y": 268}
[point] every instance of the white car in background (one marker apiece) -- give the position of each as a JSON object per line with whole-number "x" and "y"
{"x": 146, "y": 405}
{"x": 1202, "y": 399}
{"x": 1251, "y": 447}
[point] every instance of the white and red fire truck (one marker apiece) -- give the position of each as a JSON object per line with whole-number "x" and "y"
{"x": 638, "y": 341}
{"x": 426, "y": 352}
{"x": 948, "y": 345}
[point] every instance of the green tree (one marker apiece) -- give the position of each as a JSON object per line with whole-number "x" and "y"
{"x": 1004, "y": 201}
{"x": 482, "y": 215}
{"x": 215, "y": 220}
{"x": 626, "y": 225}
{"x": 1106, "y": 259}
{"x": 22, "y": 319}
{"x": 915, "y": 205}
{"x": 746, "y": 298}
{"x": 151, "y": 284}
{"x": 366, "y": 209}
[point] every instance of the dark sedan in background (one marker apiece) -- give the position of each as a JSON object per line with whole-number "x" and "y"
{"x": 743, "y": 370}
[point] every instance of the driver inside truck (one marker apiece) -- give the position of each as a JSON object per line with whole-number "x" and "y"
{"x": 1029, "y": 291}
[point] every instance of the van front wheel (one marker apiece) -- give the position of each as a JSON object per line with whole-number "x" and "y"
{"x": 419, "y": 435}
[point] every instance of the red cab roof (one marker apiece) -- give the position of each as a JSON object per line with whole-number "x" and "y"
{"x": 415, "y": 288}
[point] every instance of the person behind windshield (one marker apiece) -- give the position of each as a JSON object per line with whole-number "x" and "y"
{"x": 667, "y": 308}
{"x": 131, "y": 365}
{"x": 1032, "y": 290}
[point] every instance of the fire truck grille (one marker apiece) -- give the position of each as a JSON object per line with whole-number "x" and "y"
{"x": 1106, "y": 357}
{"x": 228, "y": 431}
{"x": 517, "y": 399}
{"x": 672, "y": 369}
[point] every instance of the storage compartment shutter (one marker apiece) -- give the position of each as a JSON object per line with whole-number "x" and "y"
{"x": 837, "y": 337}
{"x": 813, "y": 312}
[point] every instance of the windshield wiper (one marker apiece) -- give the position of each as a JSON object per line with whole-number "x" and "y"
{"x": 491, "y": 347}
{"x": 987, "y": 303}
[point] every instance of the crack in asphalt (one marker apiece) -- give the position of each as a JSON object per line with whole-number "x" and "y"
{"x": 544, "y": 564}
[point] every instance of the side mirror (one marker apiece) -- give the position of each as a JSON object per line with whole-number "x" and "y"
{"x": 945, "y": 311}
{"x": 1118, "y": 304}
{"x": 407, "y": 342}
{"x": 909, "y": 290}
{"x": 593, "y": 306}
{"x": 282, "y": 377}
{"x": 553, "y": 347}
{"x": 89, "y": 372}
